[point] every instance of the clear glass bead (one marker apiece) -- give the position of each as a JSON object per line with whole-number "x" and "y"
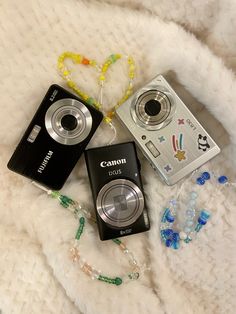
{"x": 133, "y": 276}
{"x": 189, "y": 223}
{"x": 95, "y": 273}
{"x": 133, "y": 262}
{"x": 192, "y": 203}
{"x": 190, "y": 213}
{"x": 193, "y": 195}
{"x": 193, "y": 235}
{"x": 164, "y": 226}
{"x": 187, "y": 229}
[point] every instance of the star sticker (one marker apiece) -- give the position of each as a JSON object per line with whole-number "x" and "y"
{"x": 167, "y": 168}
{"x": 180, "y": 121}
{"x": 180, "y": 155}
{"x": 161, "y": 139}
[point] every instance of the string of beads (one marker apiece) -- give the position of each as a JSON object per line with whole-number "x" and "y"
{"x": 81, "y": 213}
{"x": 102, "y": 70}
{"x": 193, "y": 223}
{"x": 192, "y": 226}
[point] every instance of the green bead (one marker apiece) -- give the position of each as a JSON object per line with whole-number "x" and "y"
{"x": 187, "y": 240}
{"x": 118, "y": 281}
{"x": 113, "y": 58}
{"x": 80, "y": 230}
{"x": 55, "y": 194}
{"x": 82, "y": 220}
{"x": 117, "y": 241}
{"x": 90, "y": 101}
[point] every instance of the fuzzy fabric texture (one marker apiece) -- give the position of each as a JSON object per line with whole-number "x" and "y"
{"x": 193, "y": 39}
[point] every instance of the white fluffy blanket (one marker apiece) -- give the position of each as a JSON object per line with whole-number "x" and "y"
{"x": 194, "y": 39}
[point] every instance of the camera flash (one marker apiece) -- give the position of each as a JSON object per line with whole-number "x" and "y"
{"x": 34, "y": 133}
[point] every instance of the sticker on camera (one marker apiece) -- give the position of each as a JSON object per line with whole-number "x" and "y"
{"x": 202, "y": 142}
{"x": 177, "y": 143}
{"x": 168, "y": 168}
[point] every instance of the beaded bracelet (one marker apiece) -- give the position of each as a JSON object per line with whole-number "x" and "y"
{"x": 192, "y": 226}
{"x": 81, "y": 213}
{"x": 102, "y": 69}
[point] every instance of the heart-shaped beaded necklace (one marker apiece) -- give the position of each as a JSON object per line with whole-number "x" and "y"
{"x": 102, "y": 70}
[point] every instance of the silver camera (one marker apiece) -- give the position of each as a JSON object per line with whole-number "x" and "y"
{"x": 167, "y": 133}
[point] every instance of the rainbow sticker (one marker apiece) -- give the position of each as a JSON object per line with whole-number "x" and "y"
{"x": 177, "y": 144}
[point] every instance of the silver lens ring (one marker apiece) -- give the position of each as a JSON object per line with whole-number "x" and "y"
{"x": 164, "y": 113}
{"x": 120, "y": 203}
{"x": 68, "y": 107}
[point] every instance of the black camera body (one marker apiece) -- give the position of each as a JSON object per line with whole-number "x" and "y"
{"x": 117, "y": 190}
{"x": 55, "y": 139}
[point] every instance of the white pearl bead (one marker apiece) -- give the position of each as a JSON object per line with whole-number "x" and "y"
{"x": 182, "y": 235}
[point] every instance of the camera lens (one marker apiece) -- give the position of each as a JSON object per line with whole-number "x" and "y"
{"x": 69, "y": 122}
{"x": 120, "y": 203}
{"x": 152, "y": 107}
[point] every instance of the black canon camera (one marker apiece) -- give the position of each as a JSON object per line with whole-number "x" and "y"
{"x": 55, "y": 139}
{"x": 117, "y": 190}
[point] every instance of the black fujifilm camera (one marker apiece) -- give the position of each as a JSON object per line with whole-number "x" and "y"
{"x": 55, "y": 139}
{"x": 117, "y": 190}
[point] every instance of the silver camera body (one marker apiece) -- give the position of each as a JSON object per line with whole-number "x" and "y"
{"x": 167, "y": 133}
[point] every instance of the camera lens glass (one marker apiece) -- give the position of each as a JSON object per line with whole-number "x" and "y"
{"x": 69, "y": 122}
{"x": 120, "y": 202}
{"x": 152, "y": 107}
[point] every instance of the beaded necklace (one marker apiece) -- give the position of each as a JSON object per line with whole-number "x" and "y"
{"x": 82, "y": 214}
{"x": 102, "y": 70}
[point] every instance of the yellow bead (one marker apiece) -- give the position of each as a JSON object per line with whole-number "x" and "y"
{"x": 132, "y": 67}
{"x": 78, "y": 59}
{"x": 104, "y": 68}
{"x": 107, "y": 120}
{"x": 130, "y": 60}
{"x": 71, "y": 84}
{"x": 102, "y": 78}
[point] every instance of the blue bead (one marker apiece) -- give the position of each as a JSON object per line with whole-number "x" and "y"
{"x": 206, "y": 175}
{"x": 202, "y": 221}
{"x": 175, "y": 236}
{"x": 200, "y": 181}
{"x": 222, "y": 179}
{"x": 168, "y": 232}
{"x": 175, "y": 245}
{"x": 205, "y": 215}
{"x": 169, "y": 242}
{"x": 169, "y": 217}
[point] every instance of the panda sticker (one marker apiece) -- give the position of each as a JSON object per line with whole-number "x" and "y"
{"x": 202, "y": 142}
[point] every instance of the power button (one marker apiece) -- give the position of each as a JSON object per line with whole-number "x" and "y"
{"x": 152, "y": 148}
